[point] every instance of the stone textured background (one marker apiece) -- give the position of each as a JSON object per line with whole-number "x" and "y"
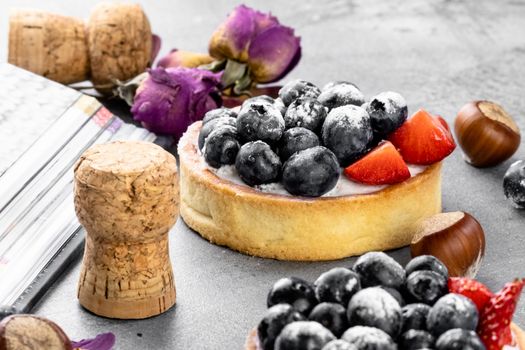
{"x": 438, "y": 54}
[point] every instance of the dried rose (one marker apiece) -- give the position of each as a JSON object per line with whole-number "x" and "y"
{"x": 170, "y": 99}
{"x": 104, "y": 341}
{"x": 257, "y": 40}
{"x": 156, "y": 43}
{"x": 181, "y": 58}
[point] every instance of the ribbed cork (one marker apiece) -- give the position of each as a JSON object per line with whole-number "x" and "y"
{"x": 127, "y": 198}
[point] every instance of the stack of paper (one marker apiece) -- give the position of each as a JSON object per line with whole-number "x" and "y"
{"x": 44, "y": 128}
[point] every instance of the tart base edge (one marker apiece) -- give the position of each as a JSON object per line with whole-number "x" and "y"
{"x": 297, "y": 228}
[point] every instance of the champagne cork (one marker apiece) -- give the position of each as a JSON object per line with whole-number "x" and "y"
{"x": 50, "y": 45}
{"x": 127, "y": 198}
{"x": 119, "y": 42}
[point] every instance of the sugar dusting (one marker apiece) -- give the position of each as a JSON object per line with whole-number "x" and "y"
{"x": 354, "y": 116}
{"x": 349, "y": 91}
{"x": 391, "y": 100}
{"x": 376, "y": 301}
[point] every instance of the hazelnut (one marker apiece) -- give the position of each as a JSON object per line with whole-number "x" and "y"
{"x": 32, "y": 332}
{"x": 487, "y": 134}
{"x": 456, "y": 238}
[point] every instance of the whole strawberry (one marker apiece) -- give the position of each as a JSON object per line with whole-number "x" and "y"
{"x": 475, "y": 290}
{"x": 496, "y": 316}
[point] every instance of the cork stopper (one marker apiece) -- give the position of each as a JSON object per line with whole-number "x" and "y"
{"x": 50, "y": 45}
{"x": 127, "y": 198}
{"x": 119, "y": 42}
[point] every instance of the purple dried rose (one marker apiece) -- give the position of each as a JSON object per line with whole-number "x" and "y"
{"x": 170, "y": 99}
{"x": 104, "y": 341}
{"x": 269, "y": 49}
{"x": 181, "y": 58}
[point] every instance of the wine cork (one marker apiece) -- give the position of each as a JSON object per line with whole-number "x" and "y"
{"x": 119, "y": 42}
{"x": 127, "y": 198}
{"x": 50, "y": 45}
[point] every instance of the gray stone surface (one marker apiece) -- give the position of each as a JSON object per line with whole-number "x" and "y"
{"x": 438, "y": 54}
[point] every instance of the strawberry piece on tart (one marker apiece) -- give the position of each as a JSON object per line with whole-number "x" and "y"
{"x": 423, "y": 139}
{"x": 496, "y": 316}
{"x": 382, "y": 166}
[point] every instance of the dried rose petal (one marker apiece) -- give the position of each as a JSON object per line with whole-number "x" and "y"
{"x": 156, "y": 42}
{"x": 258, "y": 39}
{"x": 273, "y": 53}
{"x": 181, "y": 58}
{"x": 104, "y": 341}
{"x": 171, "y": 99}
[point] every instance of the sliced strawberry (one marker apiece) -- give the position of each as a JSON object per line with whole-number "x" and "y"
{"x": 423, "y": 139}
{"x": 476, "y": 291}
{"x": 495, "y": 318}
{"x": 382, "y": 166}
{"x": 443, "y": 122}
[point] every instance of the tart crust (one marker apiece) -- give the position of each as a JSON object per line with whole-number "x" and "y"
{"x": 252, "y": 341}
{"x": 298, "y": 228}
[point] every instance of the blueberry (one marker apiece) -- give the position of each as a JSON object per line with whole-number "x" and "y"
{"x": 452, "y": 311}
{"x": 426, "y": 262}
{"x": 341, "y": 94}
{"x": 377, "y": 268}
{"x": 7, "y": 310}
{"x": 415, "y": 339}
{"x": 414, "y": 316}
{"x": 297, "y": 88}
{"x": 295, "y": 140}
{"x": 303, "y": 335}
{"x": 311, "y": 172}
{"x": 259, "y": 98}
{"x": 514, "y": 184}
{"x": 347, "y": 132}
{"x": 339, "y": 344}
{"x": 369, "y": 338}
{"x": 218, "y": 113}
{"x": 212, "y": 125}
{"x": 425, "y": 287}
{"x": 395, "y": 293}
{"x": 260, "y": 120}
{"x": 294, "y": 291}
{"x": 337, "y": 285}
{"x": 333, "y": 83}
{"x": 257, "y": 164}
{"x": 387, "y": 111}
{"x": 332, "y": 316}
{"x": 305, "y": 112}
{"x": 278, "y": 102}
{"x": 274, "y": 321}
{"x": 459, "y": 339}
{"x": 374, "y": 307}
{"x": 221, "y": 146}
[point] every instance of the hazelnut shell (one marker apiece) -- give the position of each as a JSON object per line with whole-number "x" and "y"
{"x": 486, "y": 133}
{"x": 22, "y": 322}
{"x": 456, "y": 238}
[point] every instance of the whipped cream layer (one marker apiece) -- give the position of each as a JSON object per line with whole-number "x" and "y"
{"x": 344, "y": 186}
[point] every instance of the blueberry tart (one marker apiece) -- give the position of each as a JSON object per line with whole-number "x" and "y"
{"x": 330, "y": 176}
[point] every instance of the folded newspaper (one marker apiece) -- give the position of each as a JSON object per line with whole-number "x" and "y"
{"x": 44, "y": 128}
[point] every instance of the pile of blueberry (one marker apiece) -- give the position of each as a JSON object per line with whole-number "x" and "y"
{"x": 301, "y": 138}
{"x": 375, "y": 305}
